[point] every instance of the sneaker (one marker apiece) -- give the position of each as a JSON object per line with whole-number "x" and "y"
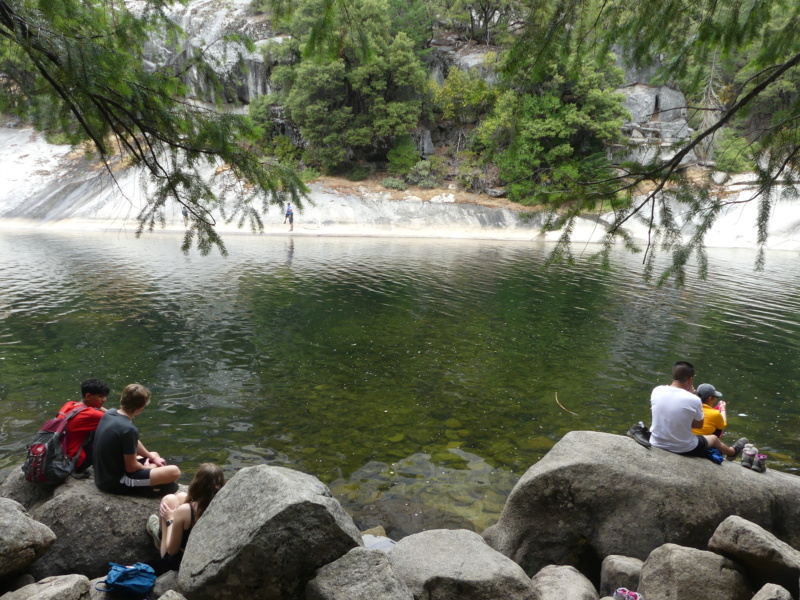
{"x": 737, "y": 448}
{"x": 154, "y": 529}
{"x": 641, "y": 434}
{"x": 634, "y": 596}
{"x": 749, "y": 456}
{"x": 760, "y": 464}
{"x": 621, "y": 594}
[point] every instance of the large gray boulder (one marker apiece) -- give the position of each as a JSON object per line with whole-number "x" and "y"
{"x": 22, "y": 539}
{"x": 263, "y": 536}
{"x": 619, "y": 572}
{"x": 92, "y": 529}
{"x": 243, "y": 74}
{"x": 648, "y": 103}
{"x": 765, "y": 558}
{"x": 165, "y": 583}
{"x": 360, "y": 574}
{"x": 64, "y": 587}
{"x": 673, "y": 572}
{"x": 556, "y": 582}
{"x": 444, "y": 564}
{"x": 596, "y": 494}
{"x": 28, "y": 494}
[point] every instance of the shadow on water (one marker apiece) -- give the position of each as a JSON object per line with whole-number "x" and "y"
{"x": 418, "y": 378}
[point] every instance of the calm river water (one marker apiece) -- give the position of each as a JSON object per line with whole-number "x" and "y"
{"x": 418, "y": 378}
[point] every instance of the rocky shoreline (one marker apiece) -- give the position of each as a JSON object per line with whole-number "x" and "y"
{"x": 597, "y": 513}
{"x": 50, "y": 187}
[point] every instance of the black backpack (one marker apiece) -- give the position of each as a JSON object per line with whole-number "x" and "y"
{"x": 47, "y": 460}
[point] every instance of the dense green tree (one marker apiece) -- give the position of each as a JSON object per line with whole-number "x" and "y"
{"x": 352, "y": 98}
{"x": 416, "y": 19}
{"x": 464, "y": 97}
{"x": 544, "y": 140}
{"x": 486, "y": 21}
{"x": 679, "y": 35}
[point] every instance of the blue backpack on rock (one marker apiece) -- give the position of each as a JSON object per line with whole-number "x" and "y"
{"x": 134, "y": 582}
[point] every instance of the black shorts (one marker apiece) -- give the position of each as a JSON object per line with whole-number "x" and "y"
{"x": 700, "y": 450}
{"x": 138, "y": 484}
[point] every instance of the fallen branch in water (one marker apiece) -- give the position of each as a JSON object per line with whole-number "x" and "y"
{"x": 562, "y": 406}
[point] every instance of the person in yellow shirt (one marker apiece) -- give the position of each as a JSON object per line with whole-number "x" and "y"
{"x": 714, "y": 419}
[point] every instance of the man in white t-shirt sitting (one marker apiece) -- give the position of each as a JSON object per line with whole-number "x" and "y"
{"x": 676, "y": 409}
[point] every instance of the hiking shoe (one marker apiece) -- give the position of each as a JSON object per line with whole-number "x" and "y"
{"x": 641, "y": 434}
{"x": 154, "y": 529}
{"x": 749, "y": 456}
{"x": 737, "y": 448}
{"x": 760, "y": 464}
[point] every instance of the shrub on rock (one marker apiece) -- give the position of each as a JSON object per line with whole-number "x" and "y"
{"x": 263, "y": 536}
{"x": 22, "y": 539}
{"x": 672, "y": 571}
{"x": 457, "y": 565}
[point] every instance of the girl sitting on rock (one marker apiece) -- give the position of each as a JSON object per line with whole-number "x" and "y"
{"x": 179, "y": 512}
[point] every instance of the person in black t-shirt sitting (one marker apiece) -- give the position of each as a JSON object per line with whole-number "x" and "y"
{"x": 122, "y": 465}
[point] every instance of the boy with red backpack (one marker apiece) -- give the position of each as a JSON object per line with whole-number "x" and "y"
{"x": 83, "y": 425}
{"x": 63, "y": 445}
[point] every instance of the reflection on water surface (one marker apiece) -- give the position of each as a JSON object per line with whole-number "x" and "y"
{"x": 416, "y": 377}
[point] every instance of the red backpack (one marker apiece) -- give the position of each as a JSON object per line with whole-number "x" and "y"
{"x": 47, "y": 460}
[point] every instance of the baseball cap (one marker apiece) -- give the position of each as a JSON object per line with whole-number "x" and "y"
{"x": 706, "y": 390}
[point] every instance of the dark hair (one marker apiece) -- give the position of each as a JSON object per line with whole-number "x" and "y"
{"x": 95, "y": 386}
{"x": 682, "y": 371}
{"x": 208, "y": 480}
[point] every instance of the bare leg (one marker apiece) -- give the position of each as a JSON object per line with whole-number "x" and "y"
{"x": 162, "y": 475}
{"x": 173, "y": 501}
{"x": 715, "y": 442}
